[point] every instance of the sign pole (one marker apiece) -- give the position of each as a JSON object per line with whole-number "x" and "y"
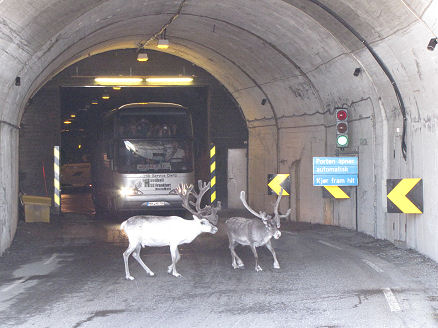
{"x": 212, "y": 175}
{"x": 56, "y": 182}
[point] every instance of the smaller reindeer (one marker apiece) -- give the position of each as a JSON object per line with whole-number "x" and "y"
{"x": 172, "y": 231}
{"x": 254, "y": 233}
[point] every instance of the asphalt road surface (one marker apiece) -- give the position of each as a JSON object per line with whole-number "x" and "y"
{"x": 70, "y": 273}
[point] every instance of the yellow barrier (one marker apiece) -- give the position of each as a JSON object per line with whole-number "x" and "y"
{"x": 36, "y": 208}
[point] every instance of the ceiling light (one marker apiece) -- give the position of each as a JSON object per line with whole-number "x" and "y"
{"x": 118, "y": 81}
{"x": 163, "y": 44}
{"x": 117, "y": 88}
{"x": 105, "y": 96}
{"x": 67, "y": 122}
{"x": 94, "y": 102}
{"x": 142, "y": 55}
{"x": 73, "y": 115}
{"x": 170, "y": 80}
{"x": 432, "y": 43}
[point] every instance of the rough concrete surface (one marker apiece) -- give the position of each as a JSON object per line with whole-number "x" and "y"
{"x": 69, "y": 273}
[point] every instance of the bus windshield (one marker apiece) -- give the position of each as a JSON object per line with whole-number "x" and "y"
{"x": 153, "y": 125}
{"x": 155, "y": 156}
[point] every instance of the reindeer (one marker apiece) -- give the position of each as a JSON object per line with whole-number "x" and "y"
{"x": 172, "y": 231}
{"x": 254, "y": 233}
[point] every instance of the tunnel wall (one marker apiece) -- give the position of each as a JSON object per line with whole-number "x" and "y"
{"x": 39, "y": 133}
{"x": 258, "y": 56}
{"x": 8, "y": 183}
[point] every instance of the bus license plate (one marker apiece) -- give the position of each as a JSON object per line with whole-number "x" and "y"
{"x": 157, "y": 203}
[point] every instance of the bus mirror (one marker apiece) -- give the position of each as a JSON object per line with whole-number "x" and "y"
{"x": 109, "y": 151}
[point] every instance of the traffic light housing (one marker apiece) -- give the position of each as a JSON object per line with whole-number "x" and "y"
{"x": 342, "y": 139}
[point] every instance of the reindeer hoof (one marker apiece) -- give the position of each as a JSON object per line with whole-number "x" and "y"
{"x": 176, "y": 274}
{"x": 169, "y": 269}
{"x": 258, "y": 268}
{"x": 151, "y": 274}
{"x": 129, "y": 278}
{"x": 276, "y": 266}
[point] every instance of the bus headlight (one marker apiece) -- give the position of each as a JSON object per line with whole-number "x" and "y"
{"x": 126, "y": 191}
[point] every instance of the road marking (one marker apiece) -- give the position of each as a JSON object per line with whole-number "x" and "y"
{"x": 328, "y": 244}
{"x": 50, "y": 260}
{"x": 372, "y": 265}
{"x": 391, "y": 300}
{"x": 290, "y": 233}
{"x": 14, "y": 284}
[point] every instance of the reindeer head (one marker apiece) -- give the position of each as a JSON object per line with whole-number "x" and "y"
{"x": 186, "y": 192}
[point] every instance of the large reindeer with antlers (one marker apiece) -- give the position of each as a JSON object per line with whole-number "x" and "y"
{"x": 172, "y": 231}
{"x": 254, "y": 233}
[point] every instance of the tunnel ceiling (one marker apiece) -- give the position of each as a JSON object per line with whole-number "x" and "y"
{"x": 255, "y": 48}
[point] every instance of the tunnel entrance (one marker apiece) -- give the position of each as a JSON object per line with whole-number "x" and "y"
{"x": 68, "y": 109}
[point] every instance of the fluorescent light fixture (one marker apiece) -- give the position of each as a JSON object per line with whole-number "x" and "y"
{"x": 67, "y": 122}
{"x": 94, "y": 102}
{"x": 117, "y": 88}
{"x": 105, "y": 96}
{"x": 118, "y": 81}
{"x": 73, "y": 115}
{"x": 170, "y": 80}
{"x": 163, "y": 44}
{"x": 142, "y": 56}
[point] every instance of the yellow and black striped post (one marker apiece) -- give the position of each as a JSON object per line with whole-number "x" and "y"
{"x": 212, "y": 174}
{"x": 56, "y": 183}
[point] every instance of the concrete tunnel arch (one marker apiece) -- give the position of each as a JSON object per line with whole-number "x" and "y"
{"x": 292, "y": 53}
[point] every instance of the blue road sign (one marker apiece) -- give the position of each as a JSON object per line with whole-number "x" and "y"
{"x": 335, "y": 171}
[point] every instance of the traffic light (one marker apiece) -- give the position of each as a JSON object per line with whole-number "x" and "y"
{"x": 341, "y": 128}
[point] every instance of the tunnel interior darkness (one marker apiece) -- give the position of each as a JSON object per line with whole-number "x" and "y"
{"x": 81, "y": 107}
{"x": 287, "y": 64}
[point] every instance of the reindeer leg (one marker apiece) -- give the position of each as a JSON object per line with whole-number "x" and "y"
{"x": 234, "y": 256}
{"x": 269, "y": 246}
{"x": 136, "y": 255}
{"x": 257, "y": 266}
{"x": 126, "y": 255}
{"x": 175, "y": 258}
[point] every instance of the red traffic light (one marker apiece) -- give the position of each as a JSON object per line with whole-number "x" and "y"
{"x": 341, "y": 115}
{"x": 341, "y": 127}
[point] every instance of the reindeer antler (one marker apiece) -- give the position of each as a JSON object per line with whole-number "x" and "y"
{"x": 184, "y": 191}
{"x": 261, "y": 215}
{"x": 276, "y": 215}
{"x": 208, "y": 212}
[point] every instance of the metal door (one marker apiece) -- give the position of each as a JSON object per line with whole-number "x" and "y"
{"x": 237, "y": 176}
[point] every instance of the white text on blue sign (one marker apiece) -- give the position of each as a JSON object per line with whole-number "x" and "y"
{"x": 335, "y": 180}
{"x": 335, "y": 171}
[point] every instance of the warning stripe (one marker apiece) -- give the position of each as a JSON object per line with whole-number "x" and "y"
{"x": 212, "y": 174}
{"x": 400, "y": 196}
{"x": 56, "y": 182}
{"x": 336, "y": 192}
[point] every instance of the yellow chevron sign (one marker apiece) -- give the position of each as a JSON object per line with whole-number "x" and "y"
{"x": 278, "y": 181}
{"x": 405, "y": 196}
{"x": 336, "y": 192}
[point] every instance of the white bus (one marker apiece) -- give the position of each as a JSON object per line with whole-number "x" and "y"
{"x": 144, "y": 151}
